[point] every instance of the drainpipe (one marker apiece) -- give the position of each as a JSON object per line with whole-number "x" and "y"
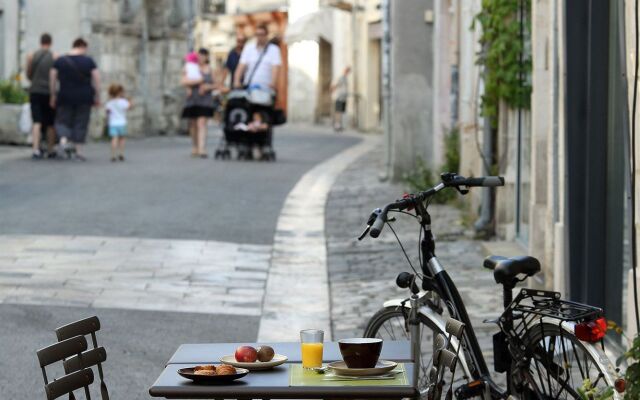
{"x": 354, "y": 69}
{"x": 386, "y": 85}
{"x": 484, "y": 223}
{"x": 144, "y": 63}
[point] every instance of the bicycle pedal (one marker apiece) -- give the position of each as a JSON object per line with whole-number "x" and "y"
{"x": 469, "y": 390}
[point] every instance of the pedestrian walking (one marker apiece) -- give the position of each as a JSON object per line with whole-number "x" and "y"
{"x": 39, "y": 64}
{"x": 341, "y": 88}
{"x": 79, "y": 90}
{"x": 117, "y": 108}
{"x": 198, "y": 108}
{"x": 233, "y": 59}
{"x": 259, "y": 64}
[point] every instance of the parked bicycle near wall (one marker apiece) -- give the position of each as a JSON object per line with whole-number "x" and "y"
{"x": 548, "y": 348}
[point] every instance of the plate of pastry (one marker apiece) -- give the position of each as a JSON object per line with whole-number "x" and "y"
{"x": 213, "y": 373}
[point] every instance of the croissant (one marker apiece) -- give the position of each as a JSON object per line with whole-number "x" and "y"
{"x": 225, "y": 370}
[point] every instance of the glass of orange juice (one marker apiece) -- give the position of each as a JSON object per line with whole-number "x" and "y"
{"x": 311, "y": 347}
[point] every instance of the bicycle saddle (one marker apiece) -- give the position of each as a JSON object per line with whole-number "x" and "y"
{"x": 506, "y": 269}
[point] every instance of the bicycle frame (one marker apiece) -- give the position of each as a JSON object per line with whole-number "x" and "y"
{"x": 438, "y": 280}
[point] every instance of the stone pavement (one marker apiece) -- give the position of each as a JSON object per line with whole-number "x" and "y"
{"x": 362, "y": 274}
{"x": 131, "y": 273}
{"x": 297, "y": 293}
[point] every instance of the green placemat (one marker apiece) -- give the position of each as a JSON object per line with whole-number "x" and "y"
{"x": 299, "y": 376}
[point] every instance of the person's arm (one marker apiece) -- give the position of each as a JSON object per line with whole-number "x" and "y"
{"x": 276, "y": 63}
{"x": 207, "y": 87}
{"x": 275, "y": 76}
{"x": 29, "y": 66}
{"x": 53, "y": 79}
{"x": 237, "y": 76}
{"x": 223, "y": 77}
{"x": 95, "y": 80}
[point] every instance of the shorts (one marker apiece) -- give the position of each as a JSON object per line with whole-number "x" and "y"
{"x": 341, "y": 106}
{"x": 191, "y": 112}
{"x": 41, "y": 111}
{"x": 72, "y": 121}
{"x": 117, "y": 131}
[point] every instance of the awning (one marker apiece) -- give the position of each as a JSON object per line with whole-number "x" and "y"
{"x": 312, "y": 27}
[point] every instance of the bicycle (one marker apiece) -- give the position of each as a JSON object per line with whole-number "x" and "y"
{"x": 546, "y": 345}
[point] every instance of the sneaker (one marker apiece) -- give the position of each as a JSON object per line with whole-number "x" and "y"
{"x": 113, "y": 159}
{"x": 36, "y": 156}
{"x": 121, "y": 157}
{"x": 79, "y": 157}
{"x": 52, "y": 154}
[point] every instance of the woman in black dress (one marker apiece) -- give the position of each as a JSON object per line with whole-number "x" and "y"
{"x": 198, "y": 107}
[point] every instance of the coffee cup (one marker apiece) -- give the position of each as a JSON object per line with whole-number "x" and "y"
{"x": 360, "y": 352}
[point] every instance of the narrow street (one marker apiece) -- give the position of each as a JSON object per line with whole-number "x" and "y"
{"x": 199, "y": 241}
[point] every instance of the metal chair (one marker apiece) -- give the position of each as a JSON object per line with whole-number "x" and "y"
{"x": 94, "y": 357}
{"x": 67, "y": 384}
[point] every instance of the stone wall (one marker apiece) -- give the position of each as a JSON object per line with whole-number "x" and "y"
{"x": 150, "y": 75}
{"x": 412, "y": 85}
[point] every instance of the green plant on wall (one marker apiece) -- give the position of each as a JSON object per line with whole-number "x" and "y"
{"x": 12, "y": 93}
{"x": 422, "y": 177}
{"x": 506, "y": 61}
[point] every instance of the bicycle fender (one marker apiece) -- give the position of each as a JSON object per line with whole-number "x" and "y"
{"x": 603, "y": 360}
{"x": 438, "y": 321}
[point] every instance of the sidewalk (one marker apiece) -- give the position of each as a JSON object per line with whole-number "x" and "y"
{"x": 362, "y": 274}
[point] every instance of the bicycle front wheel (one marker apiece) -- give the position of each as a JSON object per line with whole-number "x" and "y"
{"x": 557, "y": 365}
{"x": 389, "y": 324}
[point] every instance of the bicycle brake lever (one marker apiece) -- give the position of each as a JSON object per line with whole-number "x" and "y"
{"x": 364, "y": 233}
{"x": 370, "y": 221}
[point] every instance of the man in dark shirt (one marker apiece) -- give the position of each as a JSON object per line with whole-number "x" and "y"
{"x": 39, "y": 64}
{"x": 233, "y": 59}
{"x": 79, "y": 89}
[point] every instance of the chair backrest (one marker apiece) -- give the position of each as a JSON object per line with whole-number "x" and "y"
{"x": 89, "y": 359}
{"x": 69, "y": 383}
{"x": 87, "y": 326}
{"x": 61, "y": 350}
{"x": 72, "y": 347}
{"x": 94, "y": 357}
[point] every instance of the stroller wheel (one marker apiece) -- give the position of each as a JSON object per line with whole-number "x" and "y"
{"x": 226, "y": 154}
{"x": 217, "y": 154}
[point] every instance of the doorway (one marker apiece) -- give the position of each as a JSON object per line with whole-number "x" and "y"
{"x": 325, "y": 73}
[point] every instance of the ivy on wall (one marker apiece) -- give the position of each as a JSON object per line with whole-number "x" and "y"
{"x": 504, "y": 56}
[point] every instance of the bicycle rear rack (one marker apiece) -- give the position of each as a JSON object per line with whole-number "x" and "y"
{"x": 531, "y": 306}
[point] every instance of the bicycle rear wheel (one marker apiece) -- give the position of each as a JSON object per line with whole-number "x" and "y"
{"x": 389, "y": 324}
{"x": 559, "y": 366}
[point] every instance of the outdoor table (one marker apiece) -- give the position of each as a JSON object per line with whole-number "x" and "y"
{"x": 275, "y": 383}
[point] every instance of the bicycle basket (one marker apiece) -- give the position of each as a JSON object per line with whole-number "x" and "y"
{"x": 530, "y": 306}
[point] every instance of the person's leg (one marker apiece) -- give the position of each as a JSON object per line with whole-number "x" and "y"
{"x": 63, "y": 125}
{"x": 51, "y": 139}
{"x": 35, "y": 102}
{"x": 36, "y": 134}
{"x": 202, "y": 135}
{"x": 193, "y": 132}
{"x": 82, "y": 114}
{"x": 114, "y": 147}
{"x": 121, "y": 141}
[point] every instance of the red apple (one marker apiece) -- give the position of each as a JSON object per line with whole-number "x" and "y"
{"x": 246, "y": 354}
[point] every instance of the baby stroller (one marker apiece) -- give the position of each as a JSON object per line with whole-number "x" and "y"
{"x": 238, "y": 115}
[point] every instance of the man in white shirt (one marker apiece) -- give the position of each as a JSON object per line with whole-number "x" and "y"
{"x": 254, "y": 71}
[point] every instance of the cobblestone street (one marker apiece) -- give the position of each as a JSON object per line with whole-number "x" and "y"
{"x": 362, "y": 274}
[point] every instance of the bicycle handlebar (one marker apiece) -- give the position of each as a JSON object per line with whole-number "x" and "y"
{"x": 448, "y": 180}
